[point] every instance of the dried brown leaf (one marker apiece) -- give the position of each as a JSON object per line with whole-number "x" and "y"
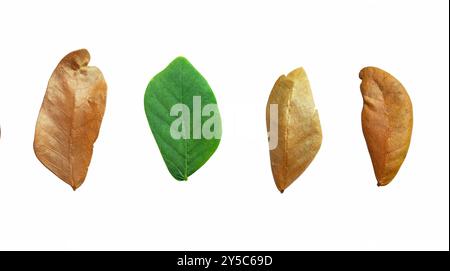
{"x": 299, "y": 131}
{"x": 70, "y": 118}
{"x": 387, "y": 120}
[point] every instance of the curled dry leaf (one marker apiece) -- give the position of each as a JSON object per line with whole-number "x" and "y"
{"x": 299, "y": 135}
{"x": 387, "y": 120}
{"x": 70, "y": 118}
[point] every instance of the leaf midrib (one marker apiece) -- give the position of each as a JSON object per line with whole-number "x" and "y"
{"x": 185, "y": 140}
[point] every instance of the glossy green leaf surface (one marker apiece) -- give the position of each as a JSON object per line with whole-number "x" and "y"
{"x": 179, "y": 97}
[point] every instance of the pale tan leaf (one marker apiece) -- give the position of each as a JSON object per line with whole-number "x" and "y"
{"x": 70, "y": 118}
{"x": 299, "y": 131}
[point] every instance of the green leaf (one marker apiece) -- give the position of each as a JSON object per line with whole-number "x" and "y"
{"x": 180, "y": 89}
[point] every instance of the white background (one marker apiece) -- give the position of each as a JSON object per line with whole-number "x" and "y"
{"x": 130, "y": 201}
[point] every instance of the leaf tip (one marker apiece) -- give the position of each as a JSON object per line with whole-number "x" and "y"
{"x": 77, "y": 59}
{"x": 383, "y": 182}
{"x": 180, "y": 59}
